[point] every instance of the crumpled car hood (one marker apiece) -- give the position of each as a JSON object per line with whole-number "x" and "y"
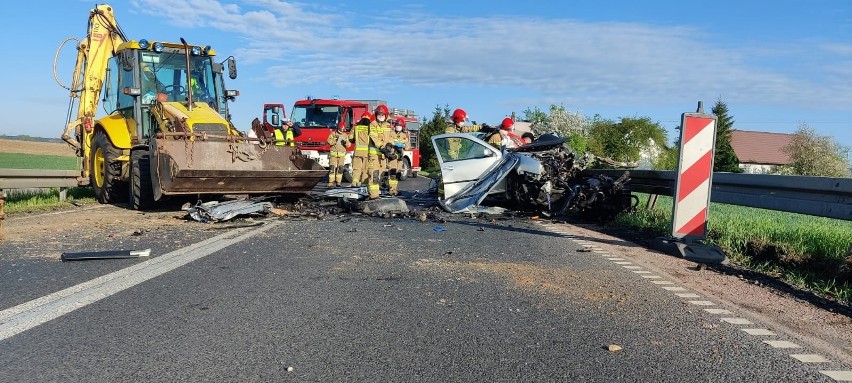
{"x": 476, "y": 192}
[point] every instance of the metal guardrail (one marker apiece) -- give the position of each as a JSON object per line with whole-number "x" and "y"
{"x": 30, "y": 178}
{"x": 817, "y": 196}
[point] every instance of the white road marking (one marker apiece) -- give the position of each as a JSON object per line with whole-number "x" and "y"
{"x": 810, "y": 358}
{"x": 25, "y": 316}
{"x": 641, "y": 271}
{"x": 634, "y": 267}
{"x": 652, "y": 277}
{"x": 688, "y": 295}
{"x": 662, "y": 282}
{"x": 623, "y": 263}
{"x": 702, "y": 303}
{"x": 718, "y": 311}
{"x": 674, "y": 288}
{"x": 758, "y": 331}
{"x": 737, "y": 320}
{"x": 781, "y": 344}
{"x": 616, "y": 259}
{"x": 840, "y": 376}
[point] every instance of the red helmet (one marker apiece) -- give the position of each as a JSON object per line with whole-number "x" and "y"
{"x": 382, "y": 109}
{"x": 366, "y": 115}
{"x": 507, "y": 124}
{"x": 458, "y": 116}
{"x": 400, "y": 121}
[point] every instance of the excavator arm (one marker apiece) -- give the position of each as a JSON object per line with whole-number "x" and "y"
{"x": 90, "y": 70}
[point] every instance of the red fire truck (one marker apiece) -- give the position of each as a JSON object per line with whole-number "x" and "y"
{"x": 318, "y": 117}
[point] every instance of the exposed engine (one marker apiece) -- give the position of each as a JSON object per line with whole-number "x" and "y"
{"x": 562, "y": 188}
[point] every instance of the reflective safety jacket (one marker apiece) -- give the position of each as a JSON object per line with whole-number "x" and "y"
{"x": 338, "y": 141}
{"x": 361, "y": 136}
{"x": 284, "y": 138}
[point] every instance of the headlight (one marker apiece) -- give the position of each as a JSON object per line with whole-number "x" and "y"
{"x": 158, "y": 47}
{"x": 143, "y": 44}
{"x": 195, "y": 50}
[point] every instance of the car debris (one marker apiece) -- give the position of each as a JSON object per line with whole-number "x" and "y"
{"x": 106, "y": 254}
{"x": 215, "y": 211}
{"x": 544, "y": 176}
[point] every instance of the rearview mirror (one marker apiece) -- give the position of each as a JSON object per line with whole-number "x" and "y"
{"x": 232, "y": 68}
{"x": 276, "y": 110}
{"x": 275, "y": 121}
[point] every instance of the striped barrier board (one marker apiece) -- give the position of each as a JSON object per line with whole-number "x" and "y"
{"x": 694, "y": 176}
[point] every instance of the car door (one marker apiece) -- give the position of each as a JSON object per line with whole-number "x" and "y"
{"x": 463, "y": 159}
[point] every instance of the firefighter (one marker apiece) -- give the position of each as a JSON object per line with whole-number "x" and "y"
{"x": 361, "y": 138}
{"x": 383, "y": 127}
{"x": 400, "y": 143}
{"x": 338, "y": 141}
{"x": 375, "y": 166}
{"x": 458, "y": 126}
{"x": 505, "y": 137}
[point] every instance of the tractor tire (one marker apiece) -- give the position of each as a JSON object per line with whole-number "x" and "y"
{"x": 105, "y": 170}
{"x": 405, "y": 172}
{"x": 141, "y": 189}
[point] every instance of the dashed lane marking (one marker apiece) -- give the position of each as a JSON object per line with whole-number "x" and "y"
{"x": 674, "y": 288}
{"x": 688, "y": 295}
{"x": 702, "y": 303}
{"x": 781, "y": 344}
{"x": 662, "y": 282}
{"x": 810, "y": 358}
{"x": 652, "y": 277}
{"x": 641, "y": 271}
{"x": 624, "y": 263}
{"x": 758, "y": 331}
{"x": 737, "y": 320}
{"x": 718, "y": 311}
{"x": 634, "y": 267}
{"x": 840, "y": 376}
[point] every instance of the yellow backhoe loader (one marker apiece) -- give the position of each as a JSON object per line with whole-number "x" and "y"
{"x": 167, "y": 130}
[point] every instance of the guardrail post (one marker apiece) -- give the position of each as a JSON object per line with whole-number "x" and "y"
{"x": 63, "y": 194}
{"x": 2, "y": 213}
{"x": 652, "y": 201}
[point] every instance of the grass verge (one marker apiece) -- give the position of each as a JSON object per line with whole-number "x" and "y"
{"x": 809, "y": 252}
{"x": 30, "y": 201}
{"x": 37, "y": 161}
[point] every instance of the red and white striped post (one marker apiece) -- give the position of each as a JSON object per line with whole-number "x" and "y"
{"x": 694, "y": 175}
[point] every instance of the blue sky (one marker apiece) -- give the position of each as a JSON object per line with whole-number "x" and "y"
{"x": 776, "y": 64}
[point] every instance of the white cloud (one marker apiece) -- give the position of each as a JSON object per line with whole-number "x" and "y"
{"x": 594, "y": 63}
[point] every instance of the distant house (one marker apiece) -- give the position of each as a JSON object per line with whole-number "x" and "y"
{"x": 760, "y": 152}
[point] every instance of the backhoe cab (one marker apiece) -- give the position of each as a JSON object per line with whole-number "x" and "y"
{"x": 168, "y": 131}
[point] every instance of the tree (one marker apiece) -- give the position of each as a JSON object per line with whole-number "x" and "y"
{"x": 629, "y": 140}
{"x": 437, "y": 125}
{"x": 815, "y": 155}
{"x": 667, "y": 159}
{"x": 571, "y": 125}
{"x": 559, "y": 121}
{"x": 725, "y": 159}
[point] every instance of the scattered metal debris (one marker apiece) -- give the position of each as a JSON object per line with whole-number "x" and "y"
{"x": 106, "y": 254}
{"x": 215, "y": 211}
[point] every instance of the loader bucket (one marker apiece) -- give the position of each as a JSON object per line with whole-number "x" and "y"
{"x": 181, "y": 166}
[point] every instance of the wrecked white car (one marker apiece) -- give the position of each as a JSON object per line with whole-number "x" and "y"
{"x": 544, "y": 175}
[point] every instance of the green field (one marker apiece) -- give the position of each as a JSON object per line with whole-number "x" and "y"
{"x": 37, "y": 161}
{"x": 806, "y": 251}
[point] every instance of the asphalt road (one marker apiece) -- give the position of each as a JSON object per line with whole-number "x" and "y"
{"x": 354, "y": 298}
